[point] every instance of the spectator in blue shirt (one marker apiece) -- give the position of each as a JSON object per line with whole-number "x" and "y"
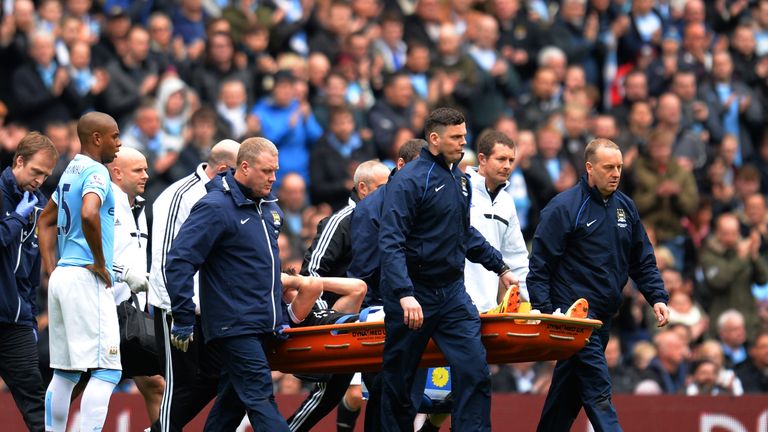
{"x": 290, "y": 124}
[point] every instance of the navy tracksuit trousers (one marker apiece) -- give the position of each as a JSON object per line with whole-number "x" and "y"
{"x": 582, "y": 380}
{"x": 453, "y": 322}
{"x": 245, "y": 387}
{"x": 19, "y": 369}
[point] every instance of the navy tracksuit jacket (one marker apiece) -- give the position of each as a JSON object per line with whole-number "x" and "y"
{"x": 587, "y": 246}
{"x": 424, "y": 237}
{"x": 19, "y": 257}
{"x": 19, "y": 278}
{"x": 232, "y": 240}
{"x": 425, "y": 234}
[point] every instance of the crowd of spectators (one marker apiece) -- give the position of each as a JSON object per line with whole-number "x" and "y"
{"x": 680, "y": 85}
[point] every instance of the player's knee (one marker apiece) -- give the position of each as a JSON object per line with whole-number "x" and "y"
{"x": 359, "y": 289}
{"x": 72, "y": 376}
{"x": 354, "y": 397}
{"x": 111, "y": 376}
{"x": 157, "y": 384}
{"x": 151, "y": 386}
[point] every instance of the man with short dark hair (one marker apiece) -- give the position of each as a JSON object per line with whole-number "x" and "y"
{"x": 425, "y": 237}
{"x": 392, "y": 112}
{"x": 334, "y": 159}
{"x": 494, "y": 215}
{"x": 76, "y": 245}
{"x": 589, "y": 241}
{"x": 20, "y": 204}
{"x": 366, "y": 265}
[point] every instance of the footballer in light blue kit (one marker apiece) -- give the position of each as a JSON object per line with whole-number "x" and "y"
{"x": 76, "y": 233}
{"x": 83, "y": 175}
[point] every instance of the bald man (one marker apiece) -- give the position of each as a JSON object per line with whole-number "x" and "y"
{"x": 329, "y": 256}
{"x": 77, "y": 226}
{"x": 129, "y": 177}
{"x": 191, "y": 377}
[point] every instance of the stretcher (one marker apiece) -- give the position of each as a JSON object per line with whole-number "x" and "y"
{"x": 358, "y": 347}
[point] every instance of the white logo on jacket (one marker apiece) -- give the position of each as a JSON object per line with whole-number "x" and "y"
{"x": 621, "y": 218}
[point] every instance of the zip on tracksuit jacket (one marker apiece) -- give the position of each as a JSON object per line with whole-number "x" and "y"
{"x": 232, "y": 240}
{"x": 425, "y": 233}
{"x": 19, "y": 255}
{"x": 587, "y": 247}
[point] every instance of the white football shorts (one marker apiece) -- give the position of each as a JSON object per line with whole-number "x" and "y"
{"x": 82, "y": 321}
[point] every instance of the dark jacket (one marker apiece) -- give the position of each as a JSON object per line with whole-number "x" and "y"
{"x": 587, "y": 247}
{"x": 489, "y": 101}
{"x": 670, "y": 383}
{"x": 729, "y": 279}
{"x": 232, "y": 240}
{"x": 364, "y": 234}
{"x": 206, "y": 80}
{"x": 631, "y": 43}
{"x": 34, "y": 103}
{"x": 384, "y": 120}
{"x": 122, "y": 96}
{"x": 330, "y": 252}
{"x": 425, "y": 234}
{"x": 752, "y": 378}
{"x": 19, "y": 255}
{"x": 329, "y": 171}
{"x": 331, "y": 249}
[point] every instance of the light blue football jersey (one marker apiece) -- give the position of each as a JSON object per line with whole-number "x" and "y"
{"x": 83, "y": 175}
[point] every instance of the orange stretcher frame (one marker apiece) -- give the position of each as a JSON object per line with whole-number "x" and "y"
{"x": 358, "y": 347}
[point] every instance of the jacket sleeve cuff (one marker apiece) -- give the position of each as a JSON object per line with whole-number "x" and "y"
{"x": 183, "y": 319}
{"x": 403, "y": 292}
{"x": 19, "y": 218}
{"x": 503, "y": 269}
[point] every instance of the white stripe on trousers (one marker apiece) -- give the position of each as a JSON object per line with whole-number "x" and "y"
{"x": 165, "y": 404}
{"x": 307, "y": 409}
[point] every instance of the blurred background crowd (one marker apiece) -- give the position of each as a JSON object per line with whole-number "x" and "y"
{"x": 681, "y": 86}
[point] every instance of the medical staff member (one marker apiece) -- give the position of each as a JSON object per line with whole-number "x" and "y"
{"x": 83, "y": 326}
{"x": 20, "y": 204}
{"x": 231, "y": 238}
{"x": 192, "y": 376}
{"x": 129, "y": 177}
{"x": 425, "y": 237}
{"x": 589, "y": 241}
{"x": 493, "y": 214}
{"x": 328, "y": 256}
